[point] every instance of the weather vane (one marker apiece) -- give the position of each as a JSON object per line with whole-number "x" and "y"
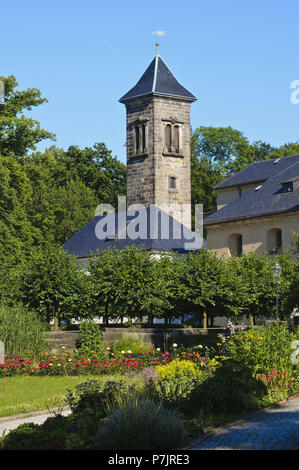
{"x": 158, "y": 33}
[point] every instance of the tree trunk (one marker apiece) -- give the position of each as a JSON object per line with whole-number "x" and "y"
{"x": 205, "y": 321}
{"x": 56, "y": 323}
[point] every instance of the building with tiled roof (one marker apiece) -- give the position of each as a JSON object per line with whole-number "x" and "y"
{"x": 257, "y": 209}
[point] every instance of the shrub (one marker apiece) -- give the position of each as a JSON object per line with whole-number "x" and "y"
{"x": 173, "y": 383}
{"x": 22, "y": 331}
{"x": 141, "y": 424}
{"x": 90, "y": 340}
{"x": 29, "y": 436}
{"x": 125, "y": 345}
{"x": 179, "y": 369}
{"x": 262, "y": 349}
{"x": 90, "y": 402}
{"x": 230, "y": 389}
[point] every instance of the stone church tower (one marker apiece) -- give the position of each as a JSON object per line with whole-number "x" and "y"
{"x": 158, "y": 142}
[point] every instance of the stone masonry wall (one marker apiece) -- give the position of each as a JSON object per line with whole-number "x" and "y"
{"x": 148, "y": 174}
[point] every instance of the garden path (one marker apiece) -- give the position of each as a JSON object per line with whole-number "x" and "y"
{"x": 273, "y": 428}
{"x": 38, "y": 417}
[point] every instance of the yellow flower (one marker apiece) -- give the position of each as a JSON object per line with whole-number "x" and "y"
{"x": 261, "y": 338}
{"x": 219, "y": 344}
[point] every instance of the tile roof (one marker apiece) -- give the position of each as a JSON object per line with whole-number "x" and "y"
{"x": 268, "y": 199}
{"x": 158, "y": 80}
{"x": 258, "y": 171}
{"x": 85, "y": 242}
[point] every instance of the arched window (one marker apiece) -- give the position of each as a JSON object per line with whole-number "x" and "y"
{"x": 235, "y": 244}
{"x": 140, "y": 138}
{"x": 274, "y": 240}
{"x": 172, "y": 134}
{"x": 137, "y": 139}
{"x": 168, "y": 137}
{"x": 176, "y": 139}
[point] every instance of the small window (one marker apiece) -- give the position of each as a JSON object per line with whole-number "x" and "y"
{"x": 137, "y": 139}
{"x": 235, "y": 244}
{"x": 287, "y": 187}
{"x": 172, "y": 182}
{"x": 274, "y": 240}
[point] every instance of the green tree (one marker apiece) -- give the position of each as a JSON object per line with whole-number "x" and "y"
{"x": 16, "y": 232}
{"x": 95, "y": 167}
{"x": 19, "y": 133}
{"x": 127, "y": 283}
{"x": 199, "y": 284}
{"x": 51, "y": 283}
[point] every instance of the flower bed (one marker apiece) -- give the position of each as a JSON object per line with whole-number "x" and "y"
{"x": 67, "y": 364}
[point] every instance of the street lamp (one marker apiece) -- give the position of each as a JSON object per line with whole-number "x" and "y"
{"x": 276, "y": 273}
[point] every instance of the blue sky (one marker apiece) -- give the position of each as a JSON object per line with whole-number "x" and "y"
{"x": 238, "y": 57}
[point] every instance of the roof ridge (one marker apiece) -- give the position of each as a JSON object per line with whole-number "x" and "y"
{"x": 282, "y": 171}
{"x": 155, "y": 73}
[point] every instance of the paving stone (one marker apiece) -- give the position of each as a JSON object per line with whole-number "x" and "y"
{"x": 273, "y": 428}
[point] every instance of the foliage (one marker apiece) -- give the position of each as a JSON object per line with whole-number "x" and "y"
{"x": 90, "y": 340}
{"x": 53, "y": 285}
{"x": 199, "y": 282}
{"x": 141, "y": 424}
{"x": 47, "y": 197}
{"x": 262, "y": 349}
{"x": 279, "y": 385}
{"x": 21, "y": 331}
{"x": 30, "y": 436}
{"x": 256, "y": 294}
{"x": 18, "y": 133}
{"x": 89, "y": 404}
{"x": 68, "y": 186}
{"x": 127, "y": 345}
{"x": 179, "y": 369}
{"x": 231, "y": 388}
{"x": 16, "y": 232}
{"x": 126, "y": 283}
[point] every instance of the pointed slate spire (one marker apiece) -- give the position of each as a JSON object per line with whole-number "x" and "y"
{"x": 158, "y": 80}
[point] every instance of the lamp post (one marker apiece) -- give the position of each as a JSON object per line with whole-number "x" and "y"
{"x": 276, "y": 273}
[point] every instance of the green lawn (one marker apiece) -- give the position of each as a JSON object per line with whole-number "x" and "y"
{"x": 26, "y": 394}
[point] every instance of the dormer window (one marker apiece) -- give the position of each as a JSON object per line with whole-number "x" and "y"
{"x": 288, "y": 187}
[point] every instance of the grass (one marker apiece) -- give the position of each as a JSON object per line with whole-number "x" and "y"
{"x": 27, "y": 394}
